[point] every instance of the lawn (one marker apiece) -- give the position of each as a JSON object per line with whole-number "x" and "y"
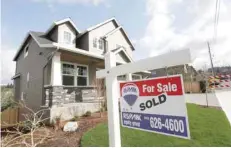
{"x": 208, "y": 127}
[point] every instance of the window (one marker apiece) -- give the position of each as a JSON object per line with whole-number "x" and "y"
{"x": 74, "y": 75}
{"x": 67, "y": 37}
{"x": 68, "y": 74}
{"x": 95, "y": 42}
{"x": 81, "y": 76}
{"x": 136, "y": 77}
{"x": 121, "y": 78}
{"x": 26, "y": 50}
{"x": 100, "y": 44}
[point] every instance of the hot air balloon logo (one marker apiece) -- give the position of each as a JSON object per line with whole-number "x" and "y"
{"x": 130, "y": 93}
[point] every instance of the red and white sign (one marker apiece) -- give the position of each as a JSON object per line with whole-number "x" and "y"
{"x": 155, "y": 105}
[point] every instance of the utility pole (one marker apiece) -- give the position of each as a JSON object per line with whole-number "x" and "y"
{"x": 211, "y": 60}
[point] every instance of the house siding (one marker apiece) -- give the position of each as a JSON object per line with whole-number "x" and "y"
{"x": 121, "y": 57}
{"x": 53, "y": 35}
{"x": 113, "y": 40}
{"x": 32, "y": 64}
{"x": 118, "y": 38}
{"x": 66, "y": 27}
{"x": 83, "y": 42}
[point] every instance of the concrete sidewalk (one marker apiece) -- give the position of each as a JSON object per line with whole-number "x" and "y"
{"x": 224, "y": 97}
{"x": 200, "y": 99}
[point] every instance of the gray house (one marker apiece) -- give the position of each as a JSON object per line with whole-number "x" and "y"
{"x": 58, "y": 67}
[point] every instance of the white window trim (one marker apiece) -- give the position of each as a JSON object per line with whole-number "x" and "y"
{"x": 99, "y": 44}
{"x": 95, "y": 38}
{"x": 75, "y": 74}
{"x": 68, "y": 43}
{"x": 26, "y": 52}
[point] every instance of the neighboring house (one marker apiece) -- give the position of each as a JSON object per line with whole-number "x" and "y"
{"x": 191, "y": 77}
{"x": 59, "y": 66}
{"x": 188, "y": 72}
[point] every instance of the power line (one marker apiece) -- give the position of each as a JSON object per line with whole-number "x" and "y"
{"x": 216, "y": 18}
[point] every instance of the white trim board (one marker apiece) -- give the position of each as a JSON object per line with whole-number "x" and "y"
{"x": 180, "y": 56}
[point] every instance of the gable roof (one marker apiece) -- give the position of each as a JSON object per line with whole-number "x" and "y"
{"x": 39, "y": 39}
{"x": 61, "y": 22}
{"x": 121, "y": 49}
{"x": 105, "y": 22}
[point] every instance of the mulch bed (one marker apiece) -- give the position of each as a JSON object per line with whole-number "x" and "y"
{"x": 72, "y": 139}
{"x": 215, "y": 107}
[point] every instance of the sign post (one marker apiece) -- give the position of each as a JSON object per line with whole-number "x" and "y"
{"x": 112, "y": 102}
{"x": 111, "y": 72}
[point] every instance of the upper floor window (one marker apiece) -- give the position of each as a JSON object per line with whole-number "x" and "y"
{"x": 26, "y": 50}
{"x": 67, "y": 37}
{"x": 95, "y": 42}
{"x": 100, "y": 44}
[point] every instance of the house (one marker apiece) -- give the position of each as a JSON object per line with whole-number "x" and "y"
{"x": 190, "y": 76}
{"x": 188, "y": 72}
{"x": 58, "y": 66}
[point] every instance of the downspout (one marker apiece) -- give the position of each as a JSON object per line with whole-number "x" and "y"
{"x": 48, "y": 60}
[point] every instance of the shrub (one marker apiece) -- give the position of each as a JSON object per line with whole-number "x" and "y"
{"x": 75, "y": 118}
{"x": 87, "y": 114}
{"x": 203, "y": 86}
{"x": 7, "y": 99}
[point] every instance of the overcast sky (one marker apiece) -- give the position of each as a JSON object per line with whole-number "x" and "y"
{"x": 154, "y": 26}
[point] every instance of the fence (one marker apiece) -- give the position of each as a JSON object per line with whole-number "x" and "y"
{"x": 193, "y": 87}
{"x": 9, "y": 117}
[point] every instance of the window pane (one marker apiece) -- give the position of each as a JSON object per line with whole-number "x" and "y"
{"x": 100, "y": 44}
{"x": 95, "y": 42}
{"x": 81, "y": 81}
{"x": 67, "y": 37}
{"x": 68, "y": 80}
{"x": 136, "y": 77}
{"x": 82, "y": 70}
{"x": 68, "y": 69}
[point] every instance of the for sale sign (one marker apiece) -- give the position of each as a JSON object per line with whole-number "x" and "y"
{"x": 155, "y": 105}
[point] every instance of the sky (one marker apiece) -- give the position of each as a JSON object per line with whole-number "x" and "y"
{"x": 154, "y": 26}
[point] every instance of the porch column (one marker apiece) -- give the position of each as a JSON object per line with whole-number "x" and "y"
{"x": 56, "y": 71}
{"x": 129, "y": 77}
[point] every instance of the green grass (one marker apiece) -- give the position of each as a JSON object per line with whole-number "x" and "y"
{"x": 208, "y": 127}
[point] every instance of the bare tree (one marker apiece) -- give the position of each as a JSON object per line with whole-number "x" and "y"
{"x": 30, "y": 132}
{"x": 100, "y": 93}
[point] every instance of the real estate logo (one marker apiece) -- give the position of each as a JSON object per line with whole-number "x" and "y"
{"x": 130, "y": 93}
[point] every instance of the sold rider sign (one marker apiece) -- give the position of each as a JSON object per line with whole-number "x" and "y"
{"x": 155, "y": 105}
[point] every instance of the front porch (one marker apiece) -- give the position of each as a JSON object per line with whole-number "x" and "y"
{"x": 71, "y": 78}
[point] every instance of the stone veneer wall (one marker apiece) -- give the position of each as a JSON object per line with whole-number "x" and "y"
{"x": 58, "y": 95}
